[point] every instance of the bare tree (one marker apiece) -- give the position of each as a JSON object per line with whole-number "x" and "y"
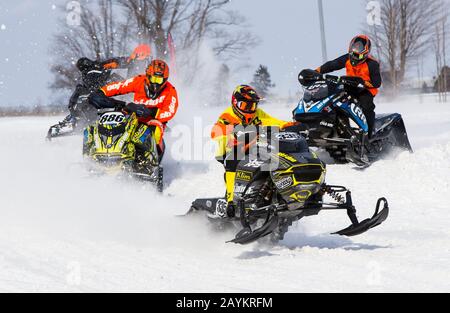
{"x": 191, "y": 22}
{"x": 404, "y": 33}
{"x": 108, "y": 27}
{"x": 439, "y": 41}
{"x": 99, "y": 35}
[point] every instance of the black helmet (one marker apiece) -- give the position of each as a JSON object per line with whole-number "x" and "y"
{"x": 84, "y": 65}
{"x": 93, "y": 74}
{"x": 359, "y": 49}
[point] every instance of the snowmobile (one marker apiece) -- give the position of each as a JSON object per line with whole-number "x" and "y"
{"x": 336, "y": 123}
{"x": 76, "y": 122}
{"x": 82, "y": 113}
{"x": 113, "y": 145}
{"x": 280, "y": 185}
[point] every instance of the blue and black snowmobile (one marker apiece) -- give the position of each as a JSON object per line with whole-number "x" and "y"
{"x": 334, "y": 121}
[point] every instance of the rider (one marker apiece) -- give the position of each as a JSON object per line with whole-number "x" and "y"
{"x": 244, "y": 112}
{"x": 359, "y": 63}
{"x": 95, "y": 74}
{"x": 155, "y": 104}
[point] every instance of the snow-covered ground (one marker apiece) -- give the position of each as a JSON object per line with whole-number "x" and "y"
{"x": 63, "y": 231}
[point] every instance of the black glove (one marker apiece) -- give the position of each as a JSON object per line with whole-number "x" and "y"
{"x": 140, "y": 110}
{"x": 120, "y": 105}
{"x": 100, "y": 101}
{"x": 353, "y": 82}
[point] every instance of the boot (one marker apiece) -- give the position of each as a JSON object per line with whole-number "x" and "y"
{"x": 365, "y": 149}
{"x": 223, "y": 211}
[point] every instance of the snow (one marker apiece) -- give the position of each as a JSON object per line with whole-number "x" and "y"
{"x": 63, "y": 231}
{"x": 3, "y": 27}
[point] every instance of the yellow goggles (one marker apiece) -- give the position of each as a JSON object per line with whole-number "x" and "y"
{"x": 156, "y": 80}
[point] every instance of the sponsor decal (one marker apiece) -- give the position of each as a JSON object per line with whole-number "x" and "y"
{"x": 244, "y": 176}
{"x": 329, "y": 125}
{"x": 221, "y": 208}
{"x": 287, "y": 157}
{"x": 254, "y": 164}
{"x": 287, "y": 136}
{"x": 239, "y": 189}
{"x": 119, "y": 85}
{"x": 284, "y": 183}
{"x": 151, "y": 102}
{"x": 358, "y": 112}
{"x": 173, "y": 105}
{"x": 165, "y": 115}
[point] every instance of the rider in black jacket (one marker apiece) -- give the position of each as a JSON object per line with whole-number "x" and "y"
{"x": 94, "y": 75}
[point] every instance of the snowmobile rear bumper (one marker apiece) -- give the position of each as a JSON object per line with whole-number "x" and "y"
{"x": 60, "y": 130}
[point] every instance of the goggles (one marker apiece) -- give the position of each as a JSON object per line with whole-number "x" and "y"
{"x": 358, "y": 56}
{"x": 247, "y": 107}
{"x": 156, "y": 80}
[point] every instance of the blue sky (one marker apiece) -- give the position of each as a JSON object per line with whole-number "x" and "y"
{"x": 291, "y": 34}
{"x": 289, "y": 30}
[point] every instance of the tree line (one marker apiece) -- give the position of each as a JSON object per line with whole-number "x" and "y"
{"x": 108, "y": 28}
{"x": 406, "y": 33}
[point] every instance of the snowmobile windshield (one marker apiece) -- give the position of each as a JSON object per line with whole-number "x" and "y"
{"x": 95, "y": 78}
{"x": 316, "y": 92}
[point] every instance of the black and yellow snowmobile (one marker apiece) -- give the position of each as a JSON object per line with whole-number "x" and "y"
{"x": 278, "y": 186}
{"x": 114, "y": 144}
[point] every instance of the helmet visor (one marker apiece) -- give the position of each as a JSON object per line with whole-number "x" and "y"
{"x": 358, "y": 50}
{"x": 247, "y": 106}
{"x": 156, "y": 80}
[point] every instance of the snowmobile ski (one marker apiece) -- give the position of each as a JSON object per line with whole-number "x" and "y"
{"x": 358, "y": 228}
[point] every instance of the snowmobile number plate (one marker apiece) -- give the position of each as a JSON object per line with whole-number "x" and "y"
{"x": 112, "y": 119}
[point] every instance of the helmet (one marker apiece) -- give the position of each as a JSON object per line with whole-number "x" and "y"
{"x": 245, "y": 102}
{"x": 359, "y": 49}
{"x": 157, "y": 75}
{"x": 84, "y": 65}
{"x": 141, "y": 52}
{"x": 93, "y": 74}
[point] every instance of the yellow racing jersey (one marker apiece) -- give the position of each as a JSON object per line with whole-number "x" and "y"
{"x": 228, "y": 120}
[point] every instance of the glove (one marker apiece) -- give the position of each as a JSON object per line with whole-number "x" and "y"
{"x": 111, "y": 66}
{"x": 140, "y": 110}
{"x": 119, "y": 105}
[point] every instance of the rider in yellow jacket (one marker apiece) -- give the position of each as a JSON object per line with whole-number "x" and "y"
{"x": 244, "y": 111}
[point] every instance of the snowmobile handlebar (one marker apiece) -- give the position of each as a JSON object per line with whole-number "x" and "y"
{"x": 309, "y": 77}
{"x": 346, "y": 81}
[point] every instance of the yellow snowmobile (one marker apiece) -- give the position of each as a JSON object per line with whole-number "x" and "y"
{"x": 278, "y": 183}
{"x": 114, "y": 144}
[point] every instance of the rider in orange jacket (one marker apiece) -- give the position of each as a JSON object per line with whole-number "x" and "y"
{"x": 359, "y": 63}
{"x": 155, "y": 99}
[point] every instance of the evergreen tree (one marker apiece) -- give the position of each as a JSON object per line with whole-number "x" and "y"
{"x": 262, "y": 81}
{"x": 221, "y": 93}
